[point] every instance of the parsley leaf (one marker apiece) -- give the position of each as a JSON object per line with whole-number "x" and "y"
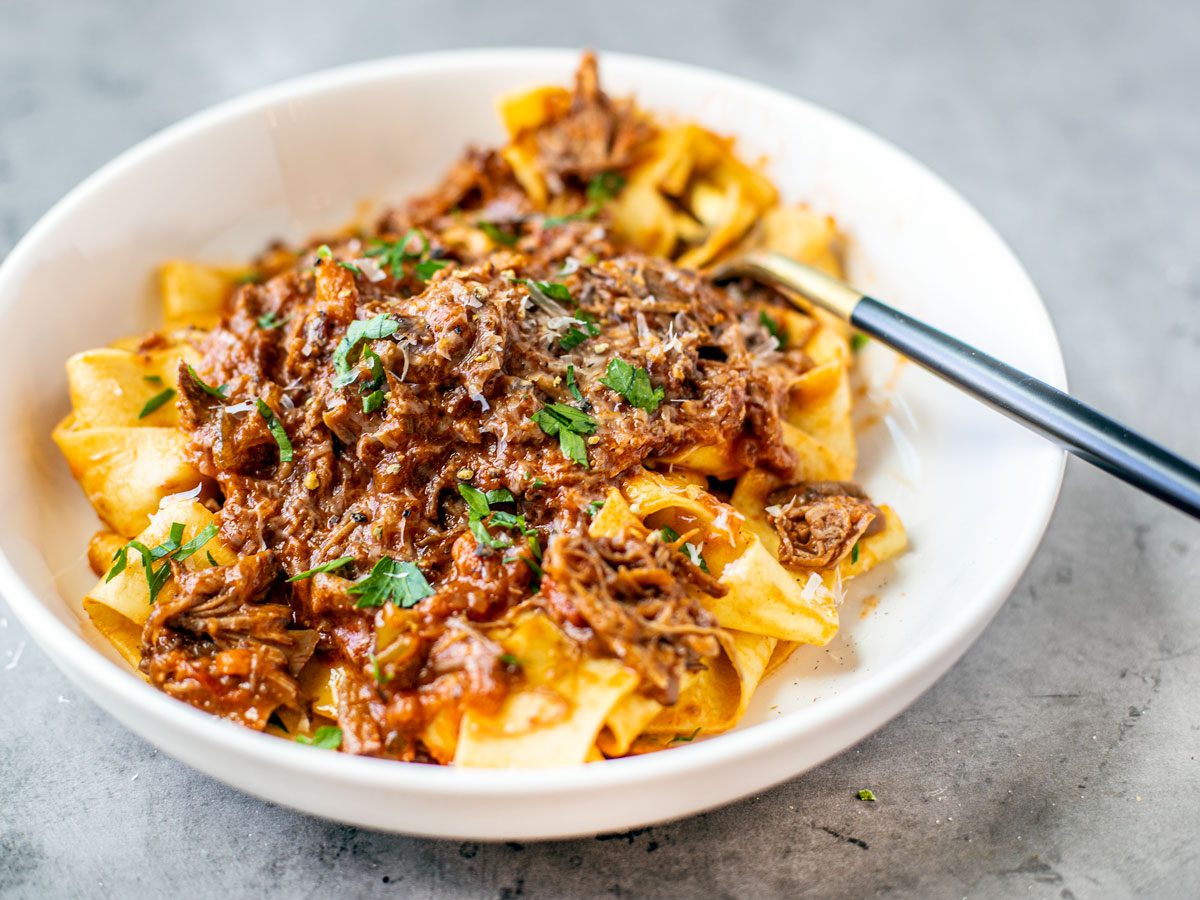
{"x": 395, "y": 254}
{"x": 323, "y": 567}
{"x": 327, "y": 737}
{"x": 484, "y": 538}
{"x": 774, "y": 328}
{"x": 568, "y": 416}
{"x": 508, "y": 659}
{"x": 479, "y": 507}
{"x": 211, "y": 561}
{"x": 360, "y": 330}
{"x": 119, "y": 561}
{"x": 496, "y": 233}
{"x": 477, "y": 501}
{"x": 153, "y": 379}
{"x": 555, "y": 290}
{"x": 857, "y": 341}
{"x": 380, "y": 676}
{"x": 567, "y": 424}
{"x": 373, "y": 401}
{"x": 268, "y": 321}
{"x": 601, "y": 189}
{"x": 426, "y": 269}
{"x": 572, "y": 386}
{"x": 172, "y": 547}
{"x": 197, "y": 543}
{"x": 391, "y": 580}
{"x": 574, "y": 337}
{"x": 605, "y": 186}
{"x": 688, "y": 549}
{"x": 218, "y": 392}
{"x": 854, "y": 553}
{"x": 156, "y": 401}
{"x": 632, "y": 384}
{"x": 594, "y": 507}
{"x": 277, "y": 431}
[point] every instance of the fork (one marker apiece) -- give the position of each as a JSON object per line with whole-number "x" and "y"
{"x": 1055, "y": 415}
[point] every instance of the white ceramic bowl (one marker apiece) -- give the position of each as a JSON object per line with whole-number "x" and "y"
{"x": 975, "y": 491}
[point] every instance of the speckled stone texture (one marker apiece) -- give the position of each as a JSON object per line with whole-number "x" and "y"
{"x": 1057, "y": 760}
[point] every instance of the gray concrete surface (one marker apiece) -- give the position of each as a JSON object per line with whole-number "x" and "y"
{"x": 1057, "y": 760}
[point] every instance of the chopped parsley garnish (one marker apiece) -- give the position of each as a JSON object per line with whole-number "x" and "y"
{"x": 574, "y": 336}
{"x": 373, "y": 388}
{"x": 153, "y": 379}
{"x": 323, "y": 567}
{"x": 601, "y": 189}
{"x": 857, "y": 341}
{"x": 555, "y": 290}
{"x": 326, "y": 254}
{"x": 327, "y": 737}
{"x": 688, "y": 549}
{"x": 218, "y": 392}
{"x": 496, "y": 233}
{"x": 373, "y": 401}
{"x": 377, "y": 379}
{"x": 484, "y": 538}
{"x": 605, "y": 186}
{"x": 249, "y": 278}
{"x": 211, "y": 560}
{"x": 572, "y": 386}
{"x": 347, "y": 351}
{"x": 391, "y": 581}
{"x": 173, "y": 546}
{"x": 277, "y": 431}
{"x": 536, "y": 568}
{"x": 268, "y": 321}
{"x": 774, "y": 328}
{"x": 537, "y": 483}
{"x": 426, "y": 269}
{"x": 866, "y": 794}
{"x": 394, "y": 255}
{"x": 380, "y": 676}
{"x": 479, "y": 507}
{"x": 632, "y": 384}
{"x": 509, "y": 660}
{"x": 206, "y": 534}
{"x": 568, "y": 425}
{"x": 854, "y": 553}
{"x": 685, "y": 740}
{"x": 477, "y": 501}
{"x": 156, "y": 401}
{"x": 594, "y": 507}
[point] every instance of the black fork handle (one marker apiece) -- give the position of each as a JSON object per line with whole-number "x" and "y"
{"x": 1075, "y": 426}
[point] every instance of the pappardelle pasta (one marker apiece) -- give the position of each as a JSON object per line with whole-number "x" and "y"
{"x": 499, "y": 480}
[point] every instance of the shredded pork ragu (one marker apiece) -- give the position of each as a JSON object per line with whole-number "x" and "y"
{"x": 476, "y": 352}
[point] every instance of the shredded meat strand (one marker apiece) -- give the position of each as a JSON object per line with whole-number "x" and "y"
{"x": 638, "y": 599}
{"x": 819, "y": 522}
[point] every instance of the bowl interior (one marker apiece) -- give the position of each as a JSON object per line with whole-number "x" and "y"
{"x": 974, "y": 490}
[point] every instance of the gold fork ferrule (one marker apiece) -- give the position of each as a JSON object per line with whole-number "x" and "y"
{"x": 812, "y": 284}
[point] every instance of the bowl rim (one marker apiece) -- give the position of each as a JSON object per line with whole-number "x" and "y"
{"x": 896, "y": 685}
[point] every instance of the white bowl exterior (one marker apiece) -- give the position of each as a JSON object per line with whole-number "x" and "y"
{"x": 974, "y": 490}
